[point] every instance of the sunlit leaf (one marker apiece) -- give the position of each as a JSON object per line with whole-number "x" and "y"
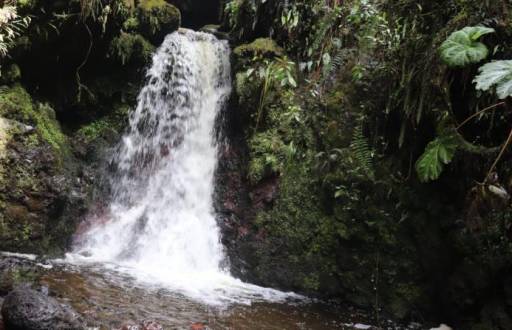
{"x": 497, "y": 74}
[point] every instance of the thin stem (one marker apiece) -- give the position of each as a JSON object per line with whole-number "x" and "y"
{"x": 260, "y": 107}
{"x": 84, "y": 62}
{"x": 478, "y": 113}
{"x": 502, "y": 152}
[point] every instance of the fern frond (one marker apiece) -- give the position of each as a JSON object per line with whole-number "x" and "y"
{"x": 334, "y": 64}
{"x": 362, "y": 151}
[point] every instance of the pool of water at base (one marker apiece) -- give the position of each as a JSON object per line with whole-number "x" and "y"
{"x": 108, "y": 300}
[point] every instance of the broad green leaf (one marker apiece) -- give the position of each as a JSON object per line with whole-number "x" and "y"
{"x": 476, "y": 32}
{"x": 463, "y": 48}
{"x": 438, "y": 153}
{"x": 496, "y": 74}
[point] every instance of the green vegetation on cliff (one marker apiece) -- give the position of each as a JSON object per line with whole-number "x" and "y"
{"x": 391, "y": 168}
{"x": 16, "y": 104}
{"x": 33, "y": 151}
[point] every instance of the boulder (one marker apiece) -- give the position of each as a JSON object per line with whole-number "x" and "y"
{"x": 27, "y": 309}
{"x": 157, "y": 18}
{"x": 264, "y": 47}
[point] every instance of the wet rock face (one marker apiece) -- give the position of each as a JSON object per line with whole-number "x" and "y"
{"x": 237, "y": 201}
{"x": 157, "y": 18}
{"x": 28, "y": 309}
{"x": 42, "y": 189}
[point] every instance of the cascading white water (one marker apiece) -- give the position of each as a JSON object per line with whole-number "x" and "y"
{"x": 161, "y": 225}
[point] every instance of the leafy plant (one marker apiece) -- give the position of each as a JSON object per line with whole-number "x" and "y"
{"x": 438, "y": 153}
{"x": 11, "y": 26}
{"x": 362, "y": 151}
{"x": 463, "y": 48}
{"x": 267, "y": 155}
{"x": 290, "y": 18}
{"x": 497, "y": 74}
{"x": 277, "y": 73}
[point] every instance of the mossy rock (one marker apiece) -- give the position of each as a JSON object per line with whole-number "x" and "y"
{"x": 111, "y": 125}
{"x": 266, "y": 155}
{"x": 131, "y": 48}
{"x": 264, "y": 47}
{"x": 16, "y": 104}
{"x": 157, "y": 19}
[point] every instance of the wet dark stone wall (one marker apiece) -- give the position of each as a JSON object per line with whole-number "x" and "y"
{"x": 198, "y": 13}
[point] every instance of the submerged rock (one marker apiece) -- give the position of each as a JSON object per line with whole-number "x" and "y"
{"x": 144, "y": 325}
{"x": 198, "y": 326}
{"x": 27, "y": 309}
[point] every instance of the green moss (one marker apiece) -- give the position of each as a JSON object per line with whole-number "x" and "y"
{"x": 157, "y": 18}
{"x": 267, "y": 155}
{"x": 265, "y": 47}
{"x": 131, "y": 24}
{"x": 296, "y": 250}
{"x": 49, "y": 128}
{"x": 130, "y": 48}
{"x": 152, "y": 4}
{"x": 114, "y": 122}
{"x": 93, "y": 130}
{"x": 16, "y": 104}
{"x": 247, "y": 90}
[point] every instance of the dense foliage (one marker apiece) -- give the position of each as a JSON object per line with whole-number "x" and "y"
{"x": 390, "y": 155}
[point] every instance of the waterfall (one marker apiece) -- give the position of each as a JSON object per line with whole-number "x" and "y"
{"x": 160, "y": 224}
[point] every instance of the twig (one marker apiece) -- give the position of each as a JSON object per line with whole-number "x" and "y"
{"x": 84, "y": 62}
{"x": 478, "y": 113}
{"x": 502, "y": 152}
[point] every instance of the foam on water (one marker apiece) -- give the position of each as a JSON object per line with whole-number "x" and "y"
{"x": 161, "y": 226}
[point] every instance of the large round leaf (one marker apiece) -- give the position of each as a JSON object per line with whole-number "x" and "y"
{"x": 463, "y": 48}
{"x": 496, "y": 74}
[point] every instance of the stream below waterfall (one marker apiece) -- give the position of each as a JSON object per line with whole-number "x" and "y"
{"x": 110, "y": 299}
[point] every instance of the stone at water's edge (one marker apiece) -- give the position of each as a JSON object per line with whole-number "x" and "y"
{"x": 198, "y": 326}
{"x": 27, "y": 309}
{"x": 144, "y": 325}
